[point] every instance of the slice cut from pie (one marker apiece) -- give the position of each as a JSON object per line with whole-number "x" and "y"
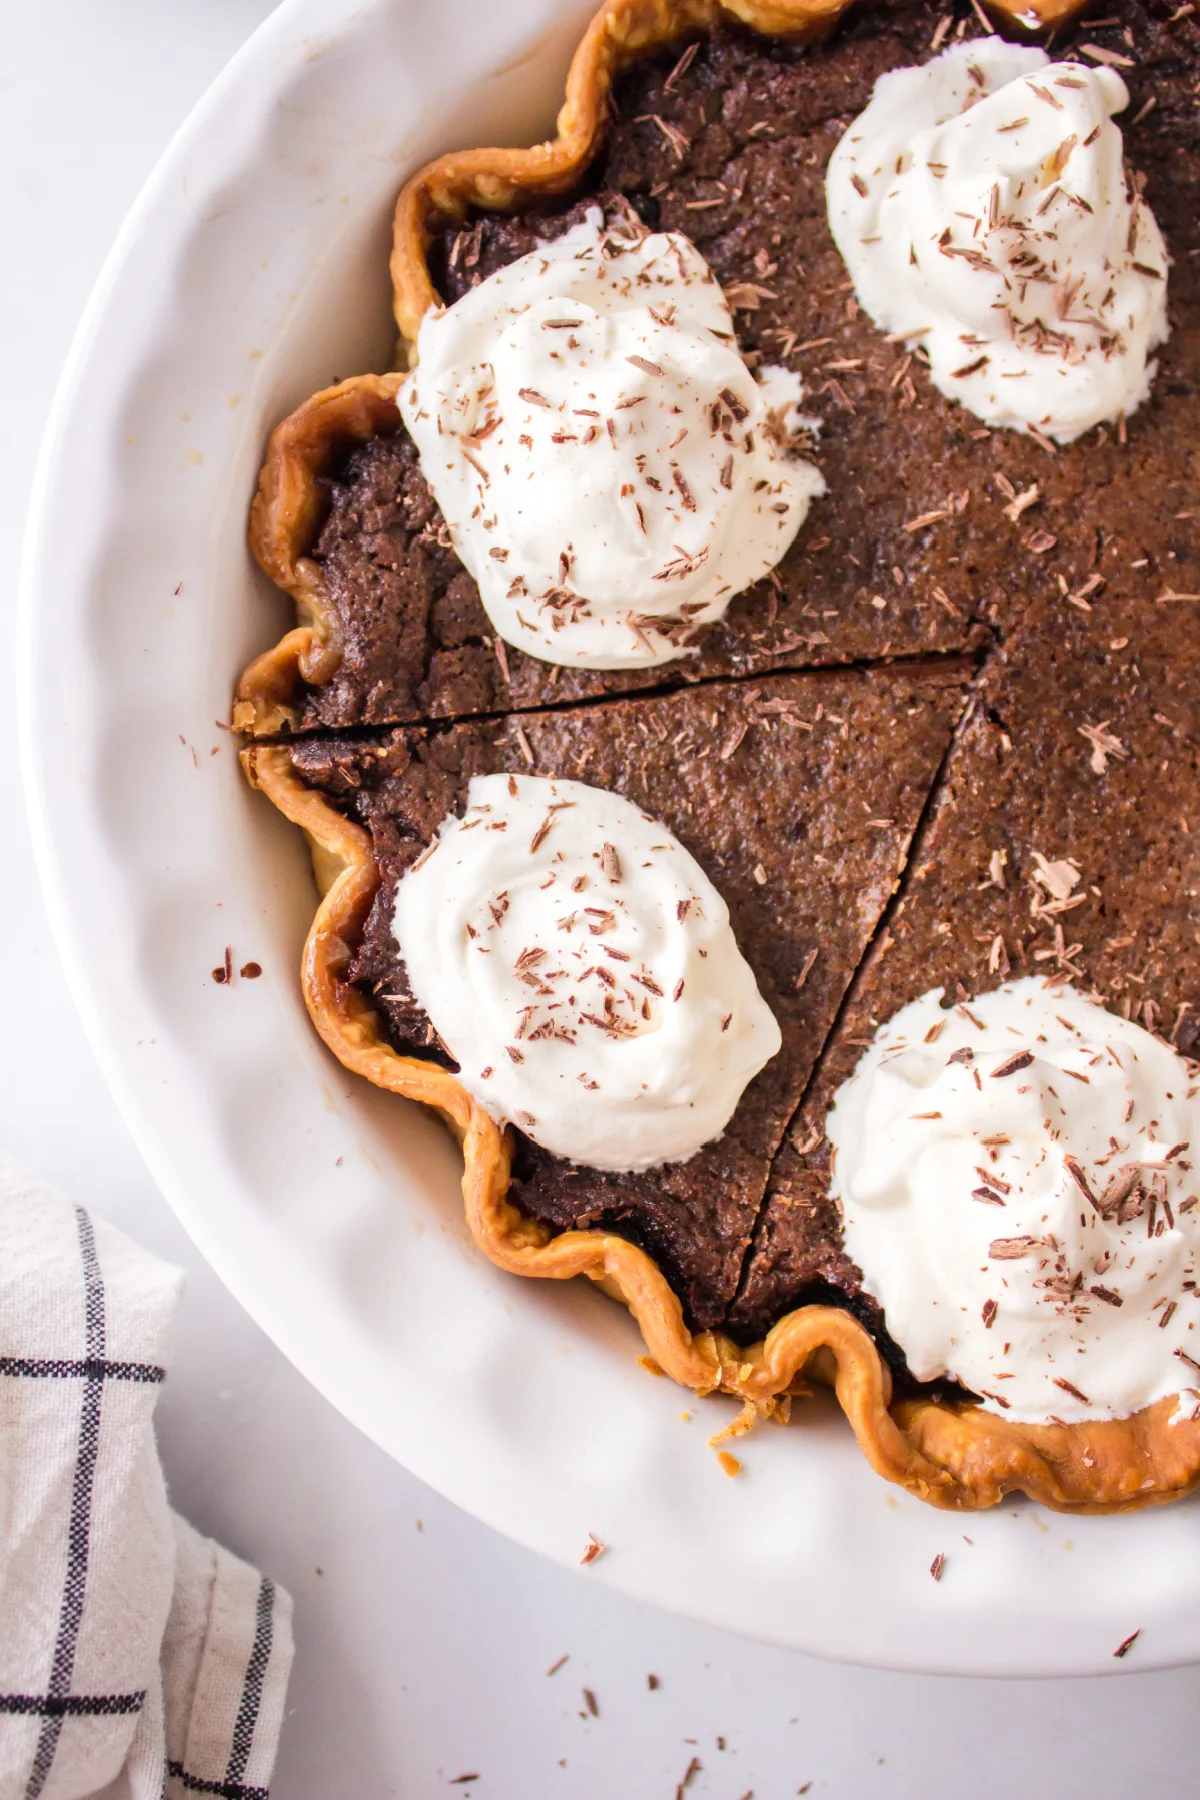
{"x": 797, "y": 795}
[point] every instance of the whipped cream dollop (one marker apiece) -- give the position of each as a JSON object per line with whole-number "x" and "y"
{"x": 607, "y": 465}
{"x": 1018, "y": 1183}
{"x": 581, "y": 968}
{"x": 982, "y": 205}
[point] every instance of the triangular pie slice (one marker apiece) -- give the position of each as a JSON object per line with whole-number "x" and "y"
{"x": 797, "y": 795}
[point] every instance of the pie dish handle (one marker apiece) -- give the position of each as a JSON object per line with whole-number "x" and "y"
{"x": 500, "y": 180}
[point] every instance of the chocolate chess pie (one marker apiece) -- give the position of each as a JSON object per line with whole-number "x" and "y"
{"x": 743, "y": 706}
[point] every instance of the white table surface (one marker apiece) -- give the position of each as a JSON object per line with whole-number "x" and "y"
{"x": 423, "y": 1639}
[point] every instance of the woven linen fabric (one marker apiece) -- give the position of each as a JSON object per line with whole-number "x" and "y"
{"x": 138, "y": 1660}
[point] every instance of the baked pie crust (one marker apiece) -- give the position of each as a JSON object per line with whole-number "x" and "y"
{"x": 955, "y": 1456}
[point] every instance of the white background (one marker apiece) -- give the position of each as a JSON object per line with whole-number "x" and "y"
{"x": 423, "y": 1639}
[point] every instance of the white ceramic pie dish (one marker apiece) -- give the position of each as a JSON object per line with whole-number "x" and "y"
{"x": 252, "y": 271}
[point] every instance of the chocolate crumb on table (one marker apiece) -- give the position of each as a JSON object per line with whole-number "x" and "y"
{"x": 689, "y": 1775}
{"x": 823, "y": 791}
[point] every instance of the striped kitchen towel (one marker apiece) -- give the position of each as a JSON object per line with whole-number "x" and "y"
{"x": 138, "y": 1660}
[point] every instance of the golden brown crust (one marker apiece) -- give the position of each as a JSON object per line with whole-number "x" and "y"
{"x": 1100, "y": 1466}
{"x": 285, "y": 520}
{"x": 959, "y": 1458}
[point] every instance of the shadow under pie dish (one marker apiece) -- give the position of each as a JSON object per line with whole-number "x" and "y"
{"x": 953, "y": 1453}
